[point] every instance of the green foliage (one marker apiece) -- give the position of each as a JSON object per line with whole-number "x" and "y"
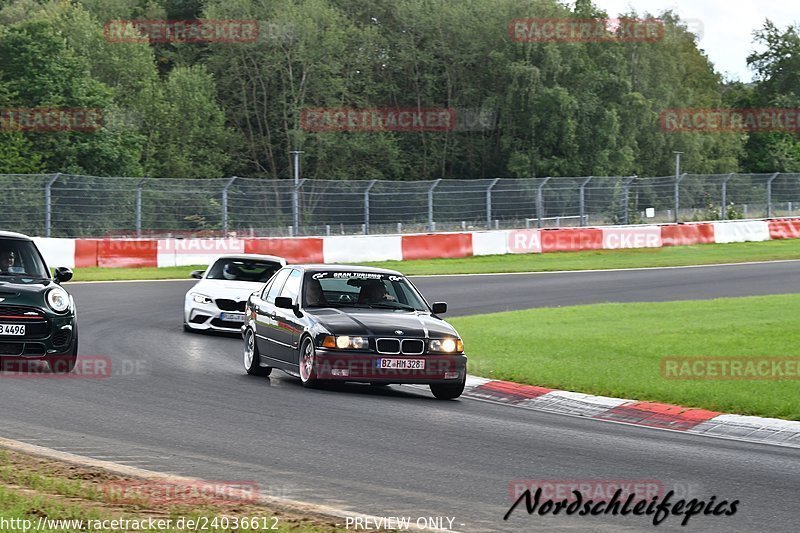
{"x": 215, "y": 109}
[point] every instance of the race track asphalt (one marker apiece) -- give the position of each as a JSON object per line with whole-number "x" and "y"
{"x": 181, "y": 403}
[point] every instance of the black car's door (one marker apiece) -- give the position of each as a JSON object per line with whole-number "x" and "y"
{"x": 288, "y": 325}
{"x": 265, "y": 316}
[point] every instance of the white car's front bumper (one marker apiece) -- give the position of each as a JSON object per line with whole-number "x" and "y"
{"x": 207, "y": 316}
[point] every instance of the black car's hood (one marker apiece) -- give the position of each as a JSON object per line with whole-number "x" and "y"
{"x": 382, "y": 322}
{"x": 22, "y": 290}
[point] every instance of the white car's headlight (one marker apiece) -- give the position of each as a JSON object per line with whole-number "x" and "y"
{"x": 201, "y": 298}
{"x": 58, "y": 299}
{"x": 344, "y": 342}
{"x": 446, "y": 345}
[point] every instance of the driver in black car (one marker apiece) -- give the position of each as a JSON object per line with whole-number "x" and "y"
{"x": 7, "y": 258}
{"x": 375, "y": 292}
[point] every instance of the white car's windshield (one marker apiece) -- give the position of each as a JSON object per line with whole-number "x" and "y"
{"x": 360, "y": 289}
{"x": 243, "y": 270}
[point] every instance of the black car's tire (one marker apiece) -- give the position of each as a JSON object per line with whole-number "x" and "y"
{"x": 251, "y": 357}
{"x": 446, "y": 391}
{"x": 64, "y": 364}
{"x": 306, "y": 362}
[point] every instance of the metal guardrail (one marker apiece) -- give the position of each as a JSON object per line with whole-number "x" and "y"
{"x": 65, "y": 205}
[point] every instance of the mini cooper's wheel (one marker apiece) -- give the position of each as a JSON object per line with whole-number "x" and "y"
{"x": 447, "y": 391}
{"x": 64, "y": 364}
{"x": 251, "y": 356}
{"x": 307, "y": 363}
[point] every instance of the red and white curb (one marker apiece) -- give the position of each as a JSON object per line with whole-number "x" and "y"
{"x": 648, "y": 414}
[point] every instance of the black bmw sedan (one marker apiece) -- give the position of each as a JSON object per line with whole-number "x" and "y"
{"x": 349, "y": 323}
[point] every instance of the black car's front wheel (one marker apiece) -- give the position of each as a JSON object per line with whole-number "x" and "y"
{"x": 447, "y": 391}
{"x": 252, "y": 359}
{"x": 307, "y": 363}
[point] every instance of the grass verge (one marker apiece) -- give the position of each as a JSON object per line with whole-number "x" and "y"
{"x": 590, "y": 260}
{"x": 704, "y": 254}
{"x": 616, "y": 350}
{"x": 32, "y": 487}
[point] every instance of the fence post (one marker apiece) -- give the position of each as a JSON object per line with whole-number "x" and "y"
{"x": 678, "y": 179}
{"x": 366, "y": 206}
{"x": 489, "y": 203}
{"x": 139, "y": 185}
{"x": 225, "y": 205}
{"x": 626, "y": 189}
{"x": 48, "y": 203}
{"x": 430, "y": 204}
{"x": 540, "y": 202}
{"x": 724, "y": 209}
{"x": 296, "y": 205}
{"x": 582, "y": 209}
{"x": 769, "y": 194}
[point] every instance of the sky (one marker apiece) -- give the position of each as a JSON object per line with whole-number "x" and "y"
{"x": 727, "y": 25}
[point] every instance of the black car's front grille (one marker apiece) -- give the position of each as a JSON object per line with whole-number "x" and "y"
{"x": 231, "y": 305}
{"x": 400, "y": 346}
{"x": 11, "y": 348}
{"x": 390, "y": 346}
{"x": 19, "y": 312}
{"x": 62, "y": 337}
{"x": 412, "y": 346}
{"x": 36, "y": 324}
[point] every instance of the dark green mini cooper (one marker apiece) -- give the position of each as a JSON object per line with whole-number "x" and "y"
{"x": 37, "y": 316}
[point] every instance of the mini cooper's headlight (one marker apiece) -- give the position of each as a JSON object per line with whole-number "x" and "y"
{"x": 58, "y": 300}
{"x": 446, "y": 345}
{"x": 201, "y": 298}
{"x": 344, "y": 342}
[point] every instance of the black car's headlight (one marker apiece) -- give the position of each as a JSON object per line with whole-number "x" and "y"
{"x": 446, "y": 345}
{"x": 58, "y": 299}
{"x": 345, "y": 342}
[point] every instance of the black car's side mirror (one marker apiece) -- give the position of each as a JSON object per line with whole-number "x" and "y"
{"x": 284, "y": 302}
{"x": 198, "y": 274}
{"x": 62, "y": 274}
{"x": 439, "y": 308}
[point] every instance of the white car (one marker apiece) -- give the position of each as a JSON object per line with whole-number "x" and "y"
{"x": 217, "y": 301}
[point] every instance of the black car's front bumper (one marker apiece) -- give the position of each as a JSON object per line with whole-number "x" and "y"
{"x": 51, "y": 335}
{"x": 363, "y": 367}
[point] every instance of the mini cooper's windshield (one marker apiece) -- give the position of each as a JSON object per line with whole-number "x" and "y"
{"x": 360, "y": 289}
{"x": 20, "y": 258}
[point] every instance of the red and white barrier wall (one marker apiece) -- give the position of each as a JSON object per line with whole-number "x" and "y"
{"x": 365, "y": 248}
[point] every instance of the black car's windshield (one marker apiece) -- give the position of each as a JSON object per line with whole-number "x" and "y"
{"x": 243, "y": 270}
{"x": 19, "y": 258}
{"x": 360, "y": 289}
